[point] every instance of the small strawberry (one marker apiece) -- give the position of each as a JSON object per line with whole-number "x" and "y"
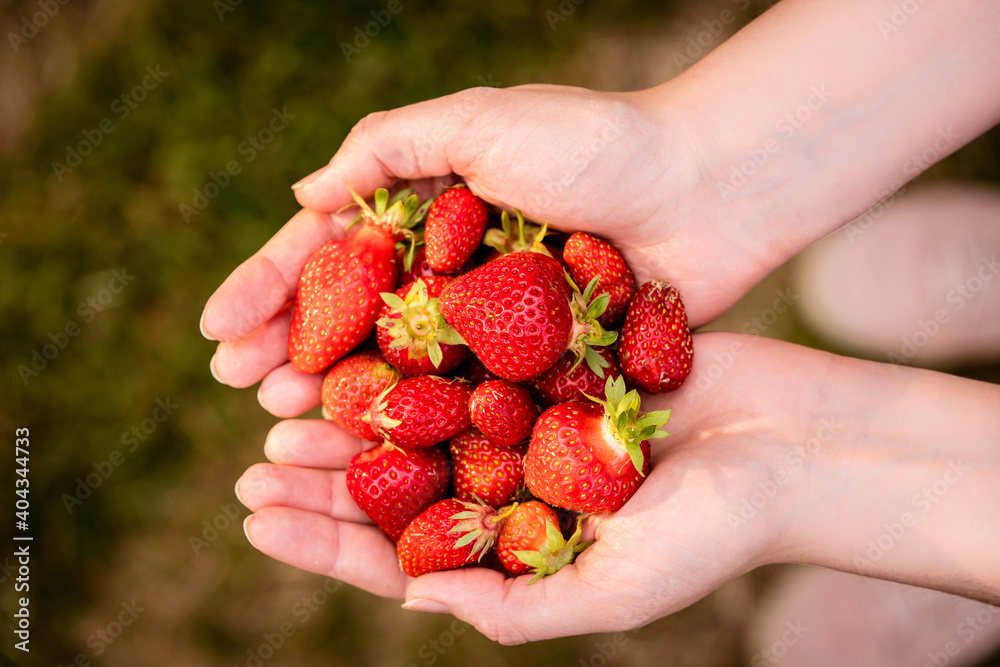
{"x": 519, "y": 315}
{"x": 454, "y": 228}
{"x": 412, "y": 334}
{"x": 530, "y": 541}
{"x": 592, "y": 457}
{"x": 447, "y": 535}
{"x": 569, "y": 381}
{"x": 419, "y": 268}
{"x": 421, "y": 411}
{"x": 503, "y": 411}
{"x": 656, "y": 347}
{"x": 507, "y": 240}
{"x": 485, "y": 470}
{"x": 587, "y": 257}
{"x": 337, "y": 300}
{"x": 350, "y": 386}
{"x": 393, "y": 486}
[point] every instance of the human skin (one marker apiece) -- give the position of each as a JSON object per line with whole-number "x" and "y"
{"x": 677, "y": 211}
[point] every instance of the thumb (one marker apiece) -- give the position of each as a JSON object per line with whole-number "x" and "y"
{"x": 413, "y": 142}
{"x": 511, "y": 611}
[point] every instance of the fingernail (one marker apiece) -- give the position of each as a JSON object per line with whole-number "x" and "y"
{"x": 213, "y": 369}
{"x": 237, "y": 492}
{"x": 201, "y": 326}
{"x": 246, "y": 524}
{"x": 310, "y": 178}
{"x": 260, "y": 395}
{"x": 423, "y": 604}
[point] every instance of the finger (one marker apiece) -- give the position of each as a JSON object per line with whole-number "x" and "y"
{"x": 413, "y": 142}
{"x": 262, "y": 285}
{"x": 241, "y": 363}
{"x": 309, "y": 489}
{"x": 288, "y": 392}
{"x": 312, "y": 443}
{"x": 358, "y": 555}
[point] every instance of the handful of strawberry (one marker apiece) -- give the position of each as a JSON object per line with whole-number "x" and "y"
{"x": 539, "y": 424}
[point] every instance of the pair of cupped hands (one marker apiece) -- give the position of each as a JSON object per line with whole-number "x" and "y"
{"x": 618, "y": 167}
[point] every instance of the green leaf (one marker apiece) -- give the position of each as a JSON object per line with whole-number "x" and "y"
{"x": 595, "y": 361}
{"x": 447, "y": 335}
{"x": 398, "y": 342}
{"x": 393, "y": 301}
{"x": 597, "y": 307}
{"x": 466, "y": 539}
{"x": 614, "y": 389}
{"x": 588, "y": 293}
{"x": 381, "y": 200}
{"x": 531, "y": 558}
{"x": 635, "y": 453}
{"x": 434, "y": 352}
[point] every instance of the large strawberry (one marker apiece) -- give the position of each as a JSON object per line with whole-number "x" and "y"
{"x": 592, "y": 457}
{"x": 412, "y": 334}
{"x": 503, "y": 411}
{"x": 568, "y": 380}
{"x": 519, "y": 315}
{"x": 421, "y": 411}
{"x": 350, "y": 386}
{"x": 656, "y": 348}
{"x": 447, "y": 535}
{"x": 485, "y": 470}
{"x": 530, "y": 541}
{"x": 587, "y": 257}
{"x": 337, "y": 300}
{"x": 454, "y": 228}
{"x": 392, "y": 486}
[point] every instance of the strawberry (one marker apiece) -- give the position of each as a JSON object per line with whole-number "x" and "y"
{"x": 570, "y": 381}
{"x": 393, "y": 486}
{"x": 587, "y": 257}
{"x": 506, "y": 239}
{"x": 421, "y": 411}
{"x": 519, "y": 315}
{"x": 503, "y": 411}
{"x": 447, "y": 535}
{"x": 419, "y": 268}
{"x": 473, "y": 372}
{"x": 454, "y": 228}
{"x": 350, "y": 386}
{"x": 530, "y": 541}
{"x": 412, "y": 334}
{"x": 592, "y": 457}
{"x": 486, "y": 470}
{"x": 656, "y": 347}
{"x": 337, "y": 300}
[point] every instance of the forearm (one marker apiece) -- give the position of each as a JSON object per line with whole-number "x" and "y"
{"x": 822, "y": 108}
{"x": 909, "y": 486}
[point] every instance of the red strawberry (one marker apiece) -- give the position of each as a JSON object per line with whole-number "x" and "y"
{"x": 473, "y": 372}
{"x": 421, "y": 411}
{"x": 503, "y": 411}
{"x": 530, "y": 540}
{"x": 506, "y": 239}
{"x": 485, "y": 470}
{"x": 393, "y": 486}
{"x": 454, "y": 228}
{"x": 570, "y": 381}
{"x": 413, "y": 335}
{"x": 419, "y": 268}
{"x": 656, "y": 347}
{"x": 337, "y": 301}
{"x": 447, "y": 535}
{"x": 519, "y": 315}
{"x": 350, "y": 386}
{"x": 587, "y": 257}
{"x": 592, "y": 457}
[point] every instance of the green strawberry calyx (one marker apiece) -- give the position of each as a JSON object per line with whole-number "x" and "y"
{"x": 479, "y": 526}
{"x": 506, "y": 240}
{"x": 396, "y": 216}
{"x": 556, "y": 553}
{"x": 587, "y": 332}
{"x": 381, "y": 422}
{"x": 420, "y": 326}
{"x": 629, "y": 426}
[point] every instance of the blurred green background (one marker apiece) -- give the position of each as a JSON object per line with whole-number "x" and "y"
{"x": 156, "y": 537}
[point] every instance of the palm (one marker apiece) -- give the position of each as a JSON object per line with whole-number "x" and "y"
{"x": 680, "y": 537}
